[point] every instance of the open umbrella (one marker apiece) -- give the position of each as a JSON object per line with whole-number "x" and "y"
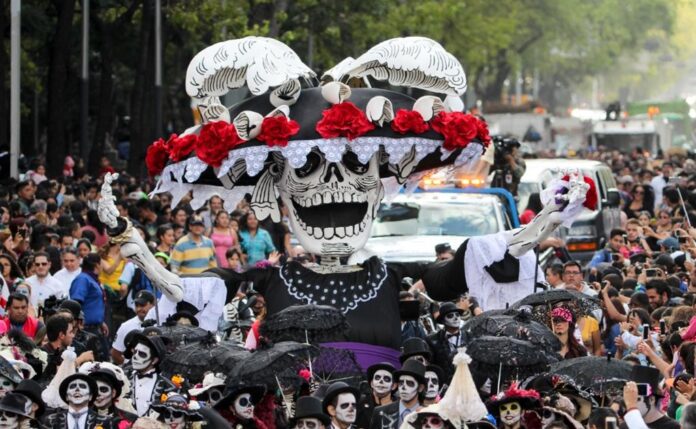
{"x": 506, "y": 358}
{"x": 282, "y": 359}
{"x": 585, "y": 304}
{"x": 180, "y": 335}
{"x": 194, "y": 360}
{"x": 514, "y": 324}
{"x": 332, "y": 365}
{"x": 306, "y": 323}
{"x": 593, "y": 372}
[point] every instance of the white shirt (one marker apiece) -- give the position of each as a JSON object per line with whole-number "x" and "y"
{"x": 658, "y": 183}
{"x": 143, "y": 393}
{"x": 65, "y": 278}
{"x": 126, "y": 327}
{"x": 81, "y": 422}
{"x": 40, "y": 290}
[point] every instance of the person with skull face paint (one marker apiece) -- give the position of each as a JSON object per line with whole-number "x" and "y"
{"x": 108, "y": 390}
{"x": 176, "y": 412}
{"x": 445, "y": 342}
{"x": 237, "y": 406}
{"x": 146, "y": 353}
{"x": 340, "y": 403}
{"x": 78, "y": 391}
{"x": 9, "y": 377}
{"x": 210, "y": 390}
{"x": 309, "y": 415}
{"x": 412, "y": 384}
{"x": 15, "y": 411}
{"x": 382, "y": 385}
{"x": 434, "y": 377}
{"x": 509, "y": 407}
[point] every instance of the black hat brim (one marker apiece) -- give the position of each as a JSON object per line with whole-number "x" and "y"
{"x": 256, "y": 392}
{"x": 62, "y": 389}
{"x": 333, "y": 394}
{"x": 386, "y": 366}
{"x": 321, "y": 417}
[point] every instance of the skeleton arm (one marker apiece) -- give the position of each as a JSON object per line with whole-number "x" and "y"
{"x": 133, "y": 247}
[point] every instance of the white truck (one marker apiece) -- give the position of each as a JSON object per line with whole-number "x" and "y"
{"x": 631, "y": 133}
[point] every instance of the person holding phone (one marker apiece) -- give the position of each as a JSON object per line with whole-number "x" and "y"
{"x": 634, "y": 331}
{"x": 616, "y": 245}
{"x": 642, "y": 396}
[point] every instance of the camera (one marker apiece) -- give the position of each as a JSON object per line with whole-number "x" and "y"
{"x": 506, "y": 176}
{"x": 651, "y": 272}
{"x": 504, "y": 146}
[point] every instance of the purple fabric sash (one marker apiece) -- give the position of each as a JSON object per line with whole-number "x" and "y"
{"x": 368, "y": 354}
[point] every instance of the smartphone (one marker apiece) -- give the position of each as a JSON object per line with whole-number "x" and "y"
{"x": 651, "y": 272}
{"x": 646, "y": 331}
{"x": 683, "y": 239}
{"x": 663, "y": 327}
{"x": 615, "y": 257}
{"x": 643, "y": 389}
{"x": 610, "y": 423}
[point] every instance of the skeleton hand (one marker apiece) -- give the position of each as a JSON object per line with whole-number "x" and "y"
{"x": 69, "y": 354}
{"x": 107, "y": 211}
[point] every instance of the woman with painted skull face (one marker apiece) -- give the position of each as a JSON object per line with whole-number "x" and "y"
{"x": 78, "y": 391}
{"x": 109, "y": 389}
{"x": 434, "y": 383}
{"x": 411, "y": 391}
{"x": 15, "y": 412}
{"x": 510, "y": 406}
{"x": 382, "y": 385}
{"x": 237, "y": 406}
{"x": 176, "y": 412}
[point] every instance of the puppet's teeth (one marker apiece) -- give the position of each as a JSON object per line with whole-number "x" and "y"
{"x": 318, "y": 232}
{"x": 316, "y": 200}
{"x": 327, "y": 198}
{"x": 340, "y": 232}
{"x": 347, "y": 197}
{"x": 328, "y": 233}
{"x": 339, "y": 197}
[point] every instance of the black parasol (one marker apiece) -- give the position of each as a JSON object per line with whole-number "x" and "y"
{"x": 281, "y": 359}
{"x": 511, "y": 323}
{"x": 332, "y": 365}
{"x": 180, "y": 335}
{"x": 593, "y": 372}
{"x": 542, "y": 303}
{"x": 194, "y": 360}
{"x": 306, "y": 323}
{"x": 505, "y": 358}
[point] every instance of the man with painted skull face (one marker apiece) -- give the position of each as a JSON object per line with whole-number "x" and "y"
{"x": 108, "y": 391}
{"x": 238, "y": 404}
{"x": 309, "y": 415}
{"x": 445, "y": 342}
{"x": 147, "y": 383}
{"x": 382, "y": 384}
{"x": 434, "y": 383}
{"x": 340, "y": 403}
{"x": 78, "y": 391}
{"x": 15, "y": 412}
{"x": 412, "y": 384}
{"x": 509, "y": 407}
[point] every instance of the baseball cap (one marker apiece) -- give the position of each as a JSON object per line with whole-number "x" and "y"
{"x": 196, "y": 219}
{"x": 144, "y": 297}
{"x": 442, "y": 248}
{"x": 73, "y": 307}
{"x": 670, "y": 243}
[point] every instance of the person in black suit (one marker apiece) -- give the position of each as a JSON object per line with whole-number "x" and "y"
{"x": 445, "y": 342}
{"x": 341, "y": 404}
{"x": 78, "y": 391}
{"x": 382, "y": 385}
{"x": 411, "y": 380}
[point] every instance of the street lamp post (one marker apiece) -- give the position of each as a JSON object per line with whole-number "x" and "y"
{"x": 158, "y": 68}
{"x": 15, "y": 26}
{"x": 84, "y": 83}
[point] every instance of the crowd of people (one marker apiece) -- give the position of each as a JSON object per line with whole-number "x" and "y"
{"x": 79, "y": 350}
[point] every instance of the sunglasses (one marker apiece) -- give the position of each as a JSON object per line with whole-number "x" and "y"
{"x": 559, "y": 320}
{"x": 40, "y": 264}
{"x": 167, "y": 414}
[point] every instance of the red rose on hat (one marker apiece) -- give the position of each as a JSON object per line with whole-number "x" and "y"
{"x": 180, "y": 147}
{"x": 275, "y": 131}
{"x": 215, "y": 141}
{"x": 482, "y": 132}
{"x": 343, "y": 120}
{"x": 156, "y": 157}
{"x": 457, "y": 128}
{"x": 406, "y": 121}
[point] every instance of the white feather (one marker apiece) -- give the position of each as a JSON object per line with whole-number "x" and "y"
{"x": 415, "y": 62}
{"x": 259, "y": 63}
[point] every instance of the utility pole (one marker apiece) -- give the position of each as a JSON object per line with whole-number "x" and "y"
{"x": 84, "y": 84}
{"x": 15, "y": 27}
{"x": 158, "y": 68}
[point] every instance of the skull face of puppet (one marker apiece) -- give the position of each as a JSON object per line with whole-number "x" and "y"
{"x": 174, "y": 419}
{"x": 6, "y": 386}
{"x": 8, "y": 420}
{"x": 346, "y": 408}
{"x": 452, "y": 320}
{"x": 433, "y": 385}
{"x": 243, "y": 406}
{"x": 104, "y": 395}
{"x": 510, "y": 413}
{"x": 408, "y": 388}
{"x": 381, "y": 383}
{"x": 331, "y": 205}
{"x": 309, "y": 423}
{"x": 78, "y": 392}
{"x": 432, "y": 422}
{"x": 142, "y": 357}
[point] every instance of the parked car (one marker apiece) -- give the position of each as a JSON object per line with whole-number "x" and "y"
{"x": 591, "y": 229}
{"x": 409, "y": 228}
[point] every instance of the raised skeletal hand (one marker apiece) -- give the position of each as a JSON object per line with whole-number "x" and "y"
{"x": 107, "y": 211}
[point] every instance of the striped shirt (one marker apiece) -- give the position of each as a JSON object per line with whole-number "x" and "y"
{"x": 189, "y": 257}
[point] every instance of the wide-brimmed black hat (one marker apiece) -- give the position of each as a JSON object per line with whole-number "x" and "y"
{"x": 445, "y": 309}
{"x": 233, "y": 390}
{"x": 109, "y": 377}
{"x": 32, "y": 390}
{"x": 376, "y": 367}
{"x": 528, "y": 399}
{"x": 185, "y": 310}
{"x": 414, "y": 346}
{"x": 155, "y": 343}
{"x": 16, "y": 403}
{"x": 176, "y": 402}
{"x": 413, "y": 368}
{"x": 308, "y": 407}
{"x": 63, "y": 388}
{"x": 336, "y": 389}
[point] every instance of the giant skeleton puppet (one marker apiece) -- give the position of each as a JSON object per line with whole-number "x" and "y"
{"x": 332, "y": 153}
